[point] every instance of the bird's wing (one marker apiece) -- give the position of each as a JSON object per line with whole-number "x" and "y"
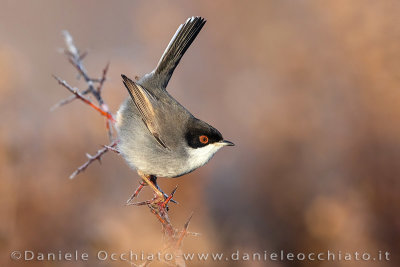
{"x": 144, "y": 102}
{"x": 176, "y": 48}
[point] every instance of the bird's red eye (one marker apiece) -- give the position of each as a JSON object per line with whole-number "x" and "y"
{"x": 203, "y": 139}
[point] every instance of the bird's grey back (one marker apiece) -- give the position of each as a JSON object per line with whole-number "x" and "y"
{"x": 141, "y": 148}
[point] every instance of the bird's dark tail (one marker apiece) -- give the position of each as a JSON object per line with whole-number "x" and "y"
{"x": 177, "y": 47}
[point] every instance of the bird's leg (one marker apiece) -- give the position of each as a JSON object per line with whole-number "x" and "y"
{"x": 151, "y": 180}
{"x": 147, "y": 179}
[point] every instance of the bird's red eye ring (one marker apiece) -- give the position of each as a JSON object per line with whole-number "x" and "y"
{"x": 203, "y": 139}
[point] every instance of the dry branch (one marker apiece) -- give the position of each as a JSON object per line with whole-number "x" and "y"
{"x": 76, "y": 59}
{"x": 91, "y": 158}
{"x": 78, "y": 95}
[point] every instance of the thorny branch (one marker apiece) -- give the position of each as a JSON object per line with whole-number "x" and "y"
{"x": 76, "y": 59}
{"x": 173, "y": 240}
{"x": 80, "y": 96}
{"x": 158, "y": 205}
{"x": 91, "y": 158}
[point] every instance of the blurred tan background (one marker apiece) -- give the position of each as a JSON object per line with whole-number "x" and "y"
{"x": 308, "y": 90}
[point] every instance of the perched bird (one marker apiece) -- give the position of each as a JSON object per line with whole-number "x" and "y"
{"x": 157, "y": 135}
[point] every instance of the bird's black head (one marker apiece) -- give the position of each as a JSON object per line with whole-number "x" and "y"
{"x": 199, "y": 134}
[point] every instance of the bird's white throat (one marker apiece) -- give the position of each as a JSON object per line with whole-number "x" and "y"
{"x": 200, "y": 156}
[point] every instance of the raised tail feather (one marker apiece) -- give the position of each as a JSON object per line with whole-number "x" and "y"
{"x": 177, "y": 47}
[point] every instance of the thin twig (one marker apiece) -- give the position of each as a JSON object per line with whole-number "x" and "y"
{"x": 103, "y": 78}
{"x": 63, "y": 102}
{"x": 68, "y": 100}
{"x": 112, "y": 148}
{"x": 97, "y": 156}
{"x": 75, "y": 58}
{"x": 107, "y": 114}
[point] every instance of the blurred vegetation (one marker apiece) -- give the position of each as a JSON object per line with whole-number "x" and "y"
{"x": 308, "y": 90}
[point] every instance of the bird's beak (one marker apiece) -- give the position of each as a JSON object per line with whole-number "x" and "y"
{"x": 226, "y": 143}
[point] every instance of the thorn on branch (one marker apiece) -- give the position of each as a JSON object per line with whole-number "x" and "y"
{"x": 91, "y": 159}
{"x": 112, "y": 148}
{"x": 103, "y": 78}
{"x": 77, "y": 94}
{"x": 63, "y": 102}
{"x": 83, "y": 55}
{"x": 70, "y": 44}
{"x": 188, "y": 221}
{"x": 165, "y": 203}
{"x": 183, "y": 232}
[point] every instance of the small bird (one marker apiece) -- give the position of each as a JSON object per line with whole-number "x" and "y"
{"x": 157, "y": 135}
